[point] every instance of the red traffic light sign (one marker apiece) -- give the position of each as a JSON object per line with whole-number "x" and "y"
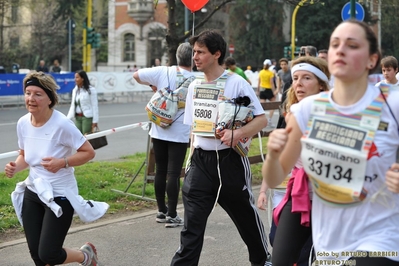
{"x": 231, "y": 49}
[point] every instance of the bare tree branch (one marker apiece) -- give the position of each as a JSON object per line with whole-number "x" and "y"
{"x": 202, "y": 22}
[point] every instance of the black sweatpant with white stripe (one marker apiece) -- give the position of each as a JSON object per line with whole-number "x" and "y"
{"x": 200, "y": 190}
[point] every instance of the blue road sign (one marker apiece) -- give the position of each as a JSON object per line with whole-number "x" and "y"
{"x": 346, "y": 11}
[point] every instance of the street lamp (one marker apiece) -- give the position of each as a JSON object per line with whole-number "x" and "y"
{"x": 298, "y": 4}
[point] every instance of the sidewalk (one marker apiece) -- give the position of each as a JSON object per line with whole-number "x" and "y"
{"x": 138, "y": 240}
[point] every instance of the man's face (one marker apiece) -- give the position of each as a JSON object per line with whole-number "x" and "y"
{"x": 284, "y": 66}
{"x": 323, "y": 56}
{"x": 203, "y": 59}
{"x": 231, "y": 67}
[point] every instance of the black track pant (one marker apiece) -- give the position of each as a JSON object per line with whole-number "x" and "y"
{"x": 200, "y": 188}
{"x": 169, "y": 158}
{"x": 290, "y": 237}
{"x": 45, "y": 233}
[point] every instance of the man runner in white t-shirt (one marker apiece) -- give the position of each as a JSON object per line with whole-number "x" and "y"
{"x": 218, "y": 174}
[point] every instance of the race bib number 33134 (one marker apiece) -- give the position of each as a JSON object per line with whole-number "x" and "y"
{"x": 334, "y": 162}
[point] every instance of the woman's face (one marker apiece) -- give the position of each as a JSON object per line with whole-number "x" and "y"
{"x": 36, "y": 100}
{"x": 78, "y": 80}
{"x": 305, "y": 84}
{"x": 348, "y": 54}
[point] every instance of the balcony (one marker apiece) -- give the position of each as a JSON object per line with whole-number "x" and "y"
{"x": 140, "y": 10}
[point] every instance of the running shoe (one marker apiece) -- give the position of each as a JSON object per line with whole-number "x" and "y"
{"x": 173, "y": 222}
{"x": 161, "y": 217}
{"x": 90, "y": 250}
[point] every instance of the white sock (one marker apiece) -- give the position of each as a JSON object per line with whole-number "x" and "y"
{"x": 86, "y": 259}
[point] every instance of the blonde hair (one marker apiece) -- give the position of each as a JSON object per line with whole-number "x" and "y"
{"x": 316, "y": 62}
{"x": 47, "y": 83}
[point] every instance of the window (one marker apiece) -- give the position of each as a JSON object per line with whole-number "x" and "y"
{"x": 155, "y": 50}
{"x": 14, "y": 11}
{"x": 14, "y": 41}
{"x": 129, "y": 47}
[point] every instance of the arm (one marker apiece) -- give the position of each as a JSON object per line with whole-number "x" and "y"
{"x": 250, "y": 129}
{"x": 71, "y": 112}
{"x": 262, "y": 199}
{"x": 284, "y": 149}
{"x": 94, "y": 106}
{"x": 272, "y": 84}
{"x": 18, "y": 165}
{"x": 136, "y": 77}
{"x": 84, "y": 154}
{"x": 392, "y": 178}
{"x": 278, "y": 83}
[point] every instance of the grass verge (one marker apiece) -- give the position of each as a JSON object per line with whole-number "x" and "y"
{"x": 96, "y": 181}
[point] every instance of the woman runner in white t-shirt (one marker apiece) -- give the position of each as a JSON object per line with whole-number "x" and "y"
{"x": 362, "y": 228}
{"x": 292, "y": 237}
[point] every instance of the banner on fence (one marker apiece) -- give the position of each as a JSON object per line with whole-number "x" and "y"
{"x": 104, "y": 82}
{"x": 12, "y": 84}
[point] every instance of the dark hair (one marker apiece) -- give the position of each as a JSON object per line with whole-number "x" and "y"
{"x": 389, "y": 61}
{"x": 86, "y": 81}
{"x": 229, "y": 61}
{"x": 323, "y": 51}
{"x": 283, "y": 60}
{"x": 213, "y": 40}
{"x": 371, "y": 39}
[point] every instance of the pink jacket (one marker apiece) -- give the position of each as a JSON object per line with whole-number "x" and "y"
{"x": 298, "y": 189}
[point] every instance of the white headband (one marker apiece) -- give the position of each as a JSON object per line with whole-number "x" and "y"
{"x": 312, "y": 69}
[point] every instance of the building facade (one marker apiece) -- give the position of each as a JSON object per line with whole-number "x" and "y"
{"x": 136, "y": 34}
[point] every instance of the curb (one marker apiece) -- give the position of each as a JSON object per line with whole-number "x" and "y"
{"x": 101, "y": 223}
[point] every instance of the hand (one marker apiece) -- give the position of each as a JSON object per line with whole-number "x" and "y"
{"x": 93, "y": 126}
{"x": 229, "y": 138}
{"x": 262, "y": 201}
{"x": 52, "y": 164}
{"x": 153, "y": 88}
{"x": 277, "y": 141}
{"x": 392, "y": 178}
{"x": 10, "y": 169}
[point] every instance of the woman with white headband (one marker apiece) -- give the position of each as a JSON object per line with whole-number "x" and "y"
{"x": 291, "y": 239}
{"x": 348, "y": 141}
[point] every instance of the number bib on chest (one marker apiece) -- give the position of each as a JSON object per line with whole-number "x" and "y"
{"x": 335, "y": 148}
{"x": 206, "y": 104}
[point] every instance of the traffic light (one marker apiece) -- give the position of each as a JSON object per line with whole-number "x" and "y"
{"x": 287, "y": 52}
{"x": 97, "y": 41}
{"x": 90, "y": 35}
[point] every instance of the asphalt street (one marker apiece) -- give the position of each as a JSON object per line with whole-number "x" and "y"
{"x": 138, "y": 240}
{"x": 113, "y": 114}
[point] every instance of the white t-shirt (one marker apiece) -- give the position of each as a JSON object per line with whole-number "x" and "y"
{"x": 58, "y": 137}
{"x": 369, "y": 225}
{"x": 235, "y": 87}
{"x": 158, "y": 76}
{"x": 384, "y": 81}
